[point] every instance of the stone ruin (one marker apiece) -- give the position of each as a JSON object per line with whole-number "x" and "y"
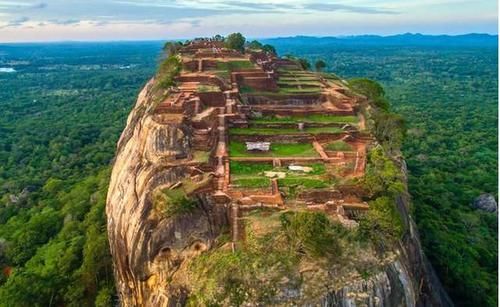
{"x": 220, "y": 89}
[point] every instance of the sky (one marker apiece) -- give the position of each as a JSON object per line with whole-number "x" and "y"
{"x": 103, "y": 20}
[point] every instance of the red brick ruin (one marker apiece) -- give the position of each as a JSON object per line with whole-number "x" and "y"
{"x": 213, "y": 101}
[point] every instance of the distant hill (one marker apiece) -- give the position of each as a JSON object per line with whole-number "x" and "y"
{"x": 407, "y": 39}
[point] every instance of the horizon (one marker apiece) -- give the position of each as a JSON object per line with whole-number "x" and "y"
{"x": 132, "y": 20}
{"x": 347, "y": 36}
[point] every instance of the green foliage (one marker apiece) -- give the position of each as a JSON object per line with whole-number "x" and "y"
{"x": 451, "y": 112}
{"x": 254, "y": 45}
{"x": 105, "y": 297}
{"x": 382, "y": 223}
{"x": 382, "y": 177}
{"x": 235, "y": 41}
{"x": 172, "y": 48}
{"x": 371, "y": 89}
{"x": 367, "y": 87}
{"x": 238, "y": 149}
{"x": 254, "y": 271}
{"x": 304, "y": 63}
{"x": 245, "y": 168}
{"x": 174, "y": 202}
{"x": 389, "y": 129}
{"x": 85, "y": 92}
{"x": 338, "y": 146}
{"x": 252, "y": 182}
{"x": 313, "y": 118}
{"x": 308, "y": 183}
{"x": 54, "y": 237}
{"x": 269, "y": 49}
{"x": 273, "y": 131}
{"x": 311, "y": 233}
{"x": 319, "y": 65}
{"x": 168, "y": 70}
{"x": 72, "y": 266}
{"x": 234, "y": 65}
{"x": 250, "y": 273}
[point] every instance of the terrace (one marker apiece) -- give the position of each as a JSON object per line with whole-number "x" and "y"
{"x": 308, "y": 120}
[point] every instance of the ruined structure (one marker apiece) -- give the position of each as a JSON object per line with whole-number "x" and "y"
{"x": 184, "y": 175}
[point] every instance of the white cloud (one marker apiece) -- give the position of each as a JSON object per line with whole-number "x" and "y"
{"x": 157, "y": 19}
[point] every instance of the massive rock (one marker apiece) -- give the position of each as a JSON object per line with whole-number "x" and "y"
{"x": 148, "y": 250}
{"x": 153, "y": 250}
{"x": 485, "y": 202}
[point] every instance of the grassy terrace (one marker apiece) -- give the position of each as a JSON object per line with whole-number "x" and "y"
{"x": 234, "y": 65}
{"x": 204, "y": 88}
{"x": 296, "y": 90}
{"x": 308, "y": 82}
{"x": 224, "y": 69}
{"x": 273, "y": 131}
{"x": 282, "y": 91}
{"x": 251, "y": 175}
{"x": 295, "y": 79}
{"x": 313, "y": 118}
{"x": 339, "y": 146}
{"x": 238, "y": 149}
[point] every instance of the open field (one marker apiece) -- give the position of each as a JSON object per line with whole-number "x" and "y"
{"x": 238, "y": 149}
{"x": 313, "y": 118}
{"x": 283, "y": 131}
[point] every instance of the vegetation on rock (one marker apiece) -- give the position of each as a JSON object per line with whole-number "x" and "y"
{"x": 167, "y": 71}
{"x": 448, "y": 95}
{"x": 235, "y": 41}
{"x": 270, "y": 263}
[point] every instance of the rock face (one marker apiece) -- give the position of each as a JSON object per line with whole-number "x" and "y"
{"x": 392, "y": 287}
{"x": 153, "y": 248}
{"x": 148, "y": 250}
{"x": 485, "y": 202}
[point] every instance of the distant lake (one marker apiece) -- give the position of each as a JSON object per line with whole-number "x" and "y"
{"x": 7, "y": 69}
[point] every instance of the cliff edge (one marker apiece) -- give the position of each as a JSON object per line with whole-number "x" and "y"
{"x": 243, "y": 179}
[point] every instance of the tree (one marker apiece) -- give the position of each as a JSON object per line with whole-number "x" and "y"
{"x": 218, "y": 37}
{"x": 369, "y": 88}
{"x": 235, "y": 41}
{"x": 172, "y": 48}
{"x": 389, "y": 129}
{"x": 168, "y": 70}
{"x": 254, "y": 45}
{"x": 319, "y": 65}
{"x": 304, "y": 63}
{"x": 269, "y": 49}
{"x": 382, "y": 223}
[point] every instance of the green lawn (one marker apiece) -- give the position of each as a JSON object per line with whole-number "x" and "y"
{"x": 204, "y": 88}
{"x": 308, "y": 183}
{"x": 318, "y": 130}
{"x": 252, "y": 182}
{"x": 245, "y": 168}
{"x": 291, "y": 78}
{"x": 339, "y": 146}
{"x": 313, "y": 118}
{"x": 201, "y": 156}
{"x": 234, "y": 65}
{"x": 239, "y": 168}
{"x": 250, "y": 175}
{"x": 330, "y": 76}
{"x": 238, "y": 149}
{"x": 273, "y": 131}
{"x": 296, "y": 90}
{"x": 299, "y": 82}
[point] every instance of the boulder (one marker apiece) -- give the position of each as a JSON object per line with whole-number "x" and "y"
{"x": 485, "y": 202}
